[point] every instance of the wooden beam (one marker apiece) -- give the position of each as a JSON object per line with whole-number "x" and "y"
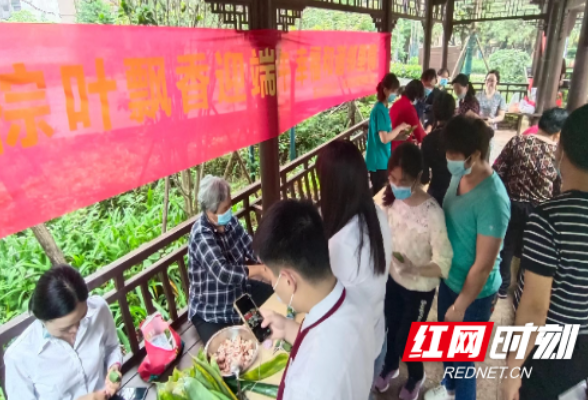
{"x": 521, "y": 17}
{"x": 578, "y": 94}
{"x": 447, "y": 31}
{"x": 428, "y": 30}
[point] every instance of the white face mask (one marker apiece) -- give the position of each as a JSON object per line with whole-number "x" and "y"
{"x": 279, "y": 299}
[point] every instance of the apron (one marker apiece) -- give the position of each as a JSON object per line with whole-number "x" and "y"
{"x": 301, "y": 335}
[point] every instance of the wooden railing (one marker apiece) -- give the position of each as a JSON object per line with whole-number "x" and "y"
{"x": 166, "y": 281}
{"x": 508, "y": 90}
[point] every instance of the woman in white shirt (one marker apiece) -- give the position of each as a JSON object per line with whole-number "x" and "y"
{"x": 68, "y": 352}
{"x": 359, "y": 239}
{"x": 422, "y": 255}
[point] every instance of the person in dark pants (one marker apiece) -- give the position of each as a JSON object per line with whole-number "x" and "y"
{"x": 435, "y": 172}
{"x": 422, "y": 255}
{"x": 526, "y": 165}
{"x": 380, "y": 132}
{"x": 222, "y": 264}
{"x": 554, "y": 286}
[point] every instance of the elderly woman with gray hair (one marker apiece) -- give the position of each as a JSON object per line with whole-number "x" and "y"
{"x": 222, "y": 263}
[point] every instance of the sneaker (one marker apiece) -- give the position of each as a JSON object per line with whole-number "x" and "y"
{"x": 383, "y": 383}
{"x": 439, "y": 393}
{"x": 502, "y": 295}
{"x": 411, "y": 389}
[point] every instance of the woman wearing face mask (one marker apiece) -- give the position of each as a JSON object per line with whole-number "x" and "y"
{"x": 222, "y": 265}
{"x": 422, "y": 255}
{"x": 70, "y": 349}
{"x": 360, "y": 248}
{"x": 466, "y": 94}
{"x": 403, "y": 111}
{"x": 477, "y": 211}
{"x": 380, "y": 132}
{"x": 443, "y": 77}
{"x": 492, "y": 104}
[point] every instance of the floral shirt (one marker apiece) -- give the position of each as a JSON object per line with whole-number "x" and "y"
{"x": 468, "y": 103}
{"x": 489, "y": 107}
{"x": 527, "y": 168}
{"x": 420, "y": 234}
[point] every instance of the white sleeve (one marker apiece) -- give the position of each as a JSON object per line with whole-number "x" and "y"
{"x": 18, "y": 384}
{"x": 112, "y": 352}
{"x": 440, "y": 244}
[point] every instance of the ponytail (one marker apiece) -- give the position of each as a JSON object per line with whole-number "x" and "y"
{"x": 380, "y": 92}
{"x": 471, "y": 91}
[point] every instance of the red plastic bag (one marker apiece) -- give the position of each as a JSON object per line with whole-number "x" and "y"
{"x": 162, "y": 344}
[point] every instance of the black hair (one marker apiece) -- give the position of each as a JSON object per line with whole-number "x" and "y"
{"x": 57, "y": 293}
{"x": 409, "y": 158}
{"x": 390, "y": 82}
{"x": 291, "y": 234}
{"x": 495, "y": 73}
{"x": 443, "y": 107}
{"x": 345, "y": 192}
{"x": 442, "y": 71}
{"x": 574, "y": 138}
{"x": 553, "y": 120}
{"x": 465, "y": 135}
{"x": 414, "y": 90}
{"x": 464, "y": 80}
{"x": 428, "y": 75}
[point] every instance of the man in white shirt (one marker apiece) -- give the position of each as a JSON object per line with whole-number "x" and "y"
{"x": 333, "y": 351}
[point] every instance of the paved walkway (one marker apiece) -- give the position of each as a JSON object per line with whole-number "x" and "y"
{"x": 487, "y": 389}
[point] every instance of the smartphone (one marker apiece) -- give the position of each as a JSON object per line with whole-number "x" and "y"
{"x": 131, "y": 394}
{"x": 252, "y": 317}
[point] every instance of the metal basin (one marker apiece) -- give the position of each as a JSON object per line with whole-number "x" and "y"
{"x": 232, "y": 332}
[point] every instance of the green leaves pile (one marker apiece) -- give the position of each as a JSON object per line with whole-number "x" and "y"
{"x": 204, "y": 381}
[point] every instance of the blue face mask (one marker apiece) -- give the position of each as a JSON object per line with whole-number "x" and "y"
{"x": 392, "y": 97}
{"x": 443, "y": 81}
{"x": 401, "y": 192}
{"x": 225, "y": 218}
{"x": 428, "y": 91}
{"x": 457, "y": 168}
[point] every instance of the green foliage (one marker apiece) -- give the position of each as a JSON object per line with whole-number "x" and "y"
{"x": 478, "y": 66}
{"x": 188, "y": 13}
{"x": 94, "y": 12}
{"x": 328, "y": 20}
{"x": 406, "y": 71}
{"x": 511, "y": 64}
{"x": 23, "y": 16}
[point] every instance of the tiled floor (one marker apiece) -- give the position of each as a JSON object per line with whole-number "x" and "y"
{"x": 487, "y": 389}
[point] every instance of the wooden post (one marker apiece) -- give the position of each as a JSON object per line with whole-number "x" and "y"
{"x": 537, "y": 52}
{"x": 552, "y": 58}
{"x": 428, "y": 28}
{"x": 578, "y": 94}
{"x": 263, "y": 16}
{"x": 387, "y": 26}
{"x": 447, "y": 31}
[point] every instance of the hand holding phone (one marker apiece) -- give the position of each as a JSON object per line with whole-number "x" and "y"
{"x": 252, "y": 317}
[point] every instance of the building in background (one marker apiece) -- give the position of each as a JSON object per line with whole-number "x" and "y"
{"x": 42, "y": 10}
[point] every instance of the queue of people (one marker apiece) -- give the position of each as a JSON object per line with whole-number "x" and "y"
{"x": 362, "y": 273}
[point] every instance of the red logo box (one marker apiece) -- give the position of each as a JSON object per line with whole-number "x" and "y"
{"x": 447, "y": 341}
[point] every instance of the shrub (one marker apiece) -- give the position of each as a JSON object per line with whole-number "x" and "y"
{"x": 406, "y": 71}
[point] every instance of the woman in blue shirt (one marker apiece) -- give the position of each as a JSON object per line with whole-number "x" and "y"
{"x": 477, "y": 211}
{"x": 380, "y": 133}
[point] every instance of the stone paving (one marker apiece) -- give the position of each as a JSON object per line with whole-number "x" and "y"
{"x": 487, "y": 389}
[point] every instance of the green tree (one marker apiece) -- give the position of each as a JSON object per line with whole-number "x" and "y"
{"x": 94, "y": 12}
{"x": 511, "y": 64}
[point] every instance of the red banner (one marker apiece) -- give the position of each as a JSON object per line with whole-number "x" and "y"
{"x": 91, "y": 111}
